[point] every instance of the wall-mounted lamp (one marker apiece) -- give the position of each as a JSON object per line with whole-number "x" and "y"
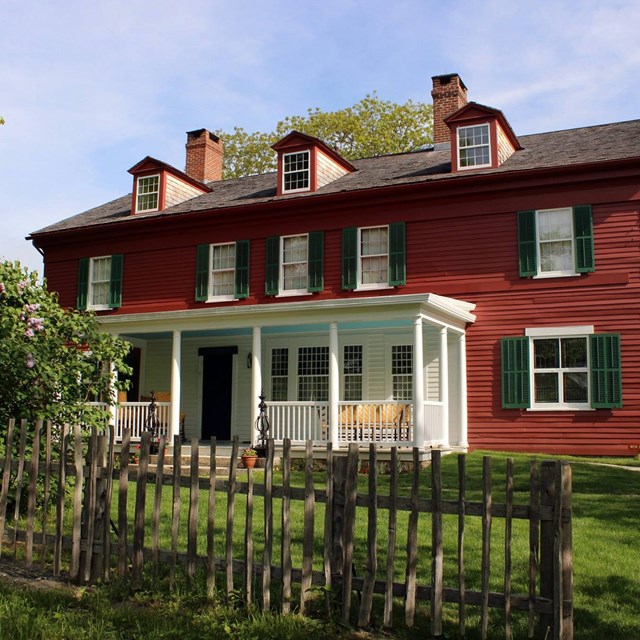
{"x": 249, "y": 360}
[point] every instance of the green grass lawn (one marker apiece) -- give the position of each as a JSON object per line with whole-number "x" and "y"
{"x": 606, "y": 537}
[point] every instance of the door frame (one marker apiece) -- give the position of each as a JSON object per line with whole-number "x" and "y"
{"x": 226, "y": 350}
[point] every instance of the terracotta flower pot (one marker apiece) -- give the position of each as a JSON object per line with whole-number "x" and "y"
{"x": 248, "y": 462}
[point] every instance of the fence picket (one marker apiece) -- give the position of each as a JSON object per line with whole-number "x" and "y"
{"x": 267, "y": 557}
{"x": 211, "y": 557}
{"x": 230, "y": 512}
{"x": 62, "y": 483}
{"x": 175, "y": 522}
{"x": 349, "y": 529}
{"x": 47, "y": 492}
{"x": 108, "y": 496}
{"x": 437, "y": 551}
{"x": 123, "y": 487}
{"x": 286, "y": 526}
{"x": 486, "y": 543}
{"x": 248, "y": 540}
{"x": 192, "y": 528}
{"x": 507, "y": 550}
{"x": 6, "y": 476}
{"x": 328, "y": 530}
{"x": 534, "y": 536}
{"x": 366, "y": 602}
{"x": 462, "y": 616}
{"x": 74, "y": 567}
{"x": 157, "y": 504}
{"x": 31, "y": 496}
{"x": 138, "y": 521}
{"x": 19, "y": 483}
{"x": 90, "y": 504}
{"x": 412, "y": 545}
{"x": 307, "y": 542}
{"x": 391, "y": 541}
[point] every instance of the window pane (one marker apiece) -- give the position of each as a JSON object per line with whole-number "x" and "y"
{"x": 555, "y": 225}
{"x": 100, "y": 276}
{"x": 313, "y": 373}
{"x": 546, "y": 387}
{"x": 294, "y": 262}
{"x": 352, "y": 369}
{"x": 375, "y": 270}
{"x": 576, "y": 387}
{"x": 574, "y": 352}
{"x": 402, "y": 371}
{"x": 224, "y": 256}
{"x": 546, "y": 354}
{"x": 279, "y": 375}
{"x": 374, "y": 241}
{"x": 556, "y": 256}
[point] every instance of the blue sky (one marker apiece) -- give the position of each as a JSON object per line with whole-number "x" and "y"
{"x": 88, "y": 89}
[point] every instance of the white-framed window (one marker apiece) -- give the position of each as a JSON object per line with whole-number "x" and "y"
{"x": 313, "y": 374}
{"x": 99, "y": 283}
{"x": 555, "y": 242}
{"x": 223, "y": 271}
{"x": 296, "y": 172}
{"x": 280, "y": 374}
{"x": 474, "y": 146}
{"x": 402, "y": 371}
{"x": 352, "y": 372}
{"x": 560, "y": 367}
{"x": 148, "y": 193}
{"x": 294, "y": 264}
{"x": 373, "y": 257}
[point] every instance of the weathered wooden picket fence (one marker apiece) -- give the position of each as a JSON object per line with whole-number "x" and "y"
{"x": 81, "y": 540}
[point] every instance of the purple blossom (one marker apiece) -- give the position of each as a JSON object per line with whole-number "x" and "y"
{"x": 30, "y": 361}
{"x": 3, "y": 289}
{"x": 22, "y": 285}
{"x": 36, "y": 323}
{"x": 29, "y": 333}
{"x": 33, "y": 307}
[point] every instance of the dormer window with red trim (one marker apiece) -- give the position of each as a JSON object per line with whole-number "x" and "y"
{"x": 296, "y": 169}
{"x": 306, "y": 164}
{"x": 148, "y": 193}
{"x": 474, "y": 146}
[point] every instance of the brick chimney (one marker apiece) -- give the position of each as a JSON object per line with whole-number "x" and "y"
{"x": 449, "y": 94}
{"x": 204, "y": 156}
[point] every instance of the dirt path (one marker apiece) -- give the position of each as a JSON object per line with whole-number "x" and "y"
{"x": 17, "y": 574}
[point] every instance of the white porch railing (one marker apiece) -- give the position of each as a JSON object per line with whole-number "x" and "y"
{"x": 134, "y": 416}
{"x": 299, "y": 421}
{"x": 434, "y": 427}
{"x": 371, "y": 421}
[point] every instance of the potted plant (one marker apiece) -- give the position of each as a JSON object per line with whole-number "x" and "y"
{"x": 249, "y": 457}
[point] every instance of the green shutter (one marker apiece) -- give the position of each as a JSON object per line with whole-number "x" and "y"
{"x": 115, "y": 281}
{"x": 242, "y": 269}
{"x": 583, "y": 230}
{"x": 527, "y": 243}
{"x": 515, "y": 373}
{"x": 272, "y": 268}
{"x": 349, "y": 258}
{"x": 397, "y": 254}
{"x": 83, "y": 283}
{"x": 606, "y": 371}
{"x": 202, "y": 272}
{"x": 316, "y": 261}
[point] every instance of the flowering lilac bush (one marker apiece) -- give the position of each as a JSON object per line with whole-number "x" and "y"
{"x": 53, "y": 361}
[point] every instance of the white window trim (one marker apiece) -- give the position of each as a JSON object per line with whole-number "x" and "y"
{"x": 282, "y": 292}
{"x": 577, "y": 331}
{"x": 138, "y": 210}
{"x": 90, "y": 306}
{"x": 473, "y": 166}
{"x": 286, "y": 173}
{"x": 374, "y": 285}
{"x": 211, "y": 297}
{"x": 555, "y": 274}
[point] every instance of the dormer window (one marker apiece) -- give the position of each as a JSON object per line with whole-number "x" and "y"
{"x": 296, "y": 170}
{"x": 474, "y": 148}
{"x": 148, "y": 193}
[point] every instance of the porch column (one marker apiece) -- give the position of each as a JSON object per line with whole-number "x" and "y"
{"x": 334, "y": 383}
{"x": 256, "y": 379}
{"x": 443, "y": 381}
{"x": 418, "y": 385}
{"x": 462, "y": 378}
{"x": 174, "y": 423}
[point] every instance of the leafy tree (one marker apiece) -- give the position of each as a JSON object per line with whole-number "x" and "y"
{"x": 53, "y": 362}
{"x": 372, "y": 127}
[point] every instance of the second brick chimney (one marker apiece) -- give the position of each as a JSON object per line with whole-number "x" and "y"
{"x": 204, "y": 156}
{"x": 449, "y": 94}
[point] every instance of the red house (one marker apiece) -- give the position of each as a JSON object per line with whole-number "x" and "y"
{"x": 483, "y": 292}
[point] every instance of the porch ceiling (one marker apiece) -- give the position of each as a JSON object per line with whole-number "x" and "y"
{"x": 309, "y": 315}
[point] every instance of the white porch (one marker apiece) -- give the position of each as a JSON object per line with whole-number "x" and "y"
{"x": 419, "y": 401}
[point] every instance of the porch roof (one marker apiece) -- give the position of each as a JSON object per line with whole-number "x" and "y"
{"x": 434, "y": 309}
